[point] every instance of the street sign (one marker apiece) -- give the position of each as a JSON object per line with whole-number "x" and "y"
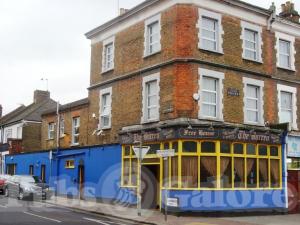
{"x": 140, "y": 152}
{"x": 165, "y": 153}
{"x": 173, "y": 202}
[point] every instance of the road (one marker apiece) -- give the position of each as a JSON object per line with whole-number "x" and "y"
{"x": 13, "y": 211}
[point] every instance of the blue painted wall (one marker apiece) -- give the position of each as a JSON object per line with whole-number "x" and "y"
{"x": 102, "y": 170}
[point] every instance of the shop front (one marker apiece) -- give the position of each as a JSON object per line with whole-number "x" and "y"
{"x": 293, "y": 165}
{"x": 212, "y": 170}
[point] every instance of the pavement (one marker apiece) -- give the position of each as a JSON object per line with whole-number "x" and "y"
{"x": 14, "y": 212}
{"x": 155, "y": 217}
{"x": 74, "y": 211}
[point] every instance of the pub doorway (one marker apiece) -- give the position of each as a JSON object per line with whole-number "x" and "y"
{"x": 81, "y": 181}
{"x": 150, "y": 186}
{"x": 294, "y": 191}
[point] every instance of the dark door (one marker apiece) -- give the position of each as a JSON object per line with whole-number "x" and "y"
{"x": 43, "y": 173}
{"x": 31, "y": 172}
{"x": 81, "y": 181}
{"x": 150, "y": 187}
{"x": 11, "y": 169}
{"x": 293, "y": 191}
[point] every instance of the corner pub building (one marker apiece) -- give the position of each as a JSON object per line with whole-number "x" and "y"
{"x": 206, "y": 78}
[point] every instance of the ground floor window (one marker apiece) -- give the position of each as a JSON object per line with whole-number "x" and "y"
{"x": 211, "y": 164}
{"x": 294, "y": 164}
{"x": 11, "y": 169}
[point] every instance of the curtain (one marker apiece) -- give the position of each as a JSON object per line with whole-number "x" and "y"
{"x": 165, "y": 178}
{"x": 126, "y": 167}
{"x": 209, "y": 164}
{"x": 275, "y": 172}
{"x": 189, "y": 171}
{"x": 263, "y": 172}
{"x": 250, "y": 163}
{"x": 134, "y": 171}
{"x": 174, "y": 172}
{"x": 239, "y": 167}
{"x": 225, "y": 161}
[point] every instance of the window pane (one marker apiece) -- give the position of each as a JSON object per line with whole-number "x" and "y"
{"x": 252, "y": 91}
{"x": 208, "y": 172}
{"x": 251, "y": 149}
{"x": 252, "y": 116}
{"x": 250, "y": 54}
{"x": 275, "y": 173}
{"x": 225, "y": 147}
{"x": 209, "y": 84}
{"x": 251, "y": 173}
{"x": 284, "y": 47}
{"x": 174, "y": 171}
{"x": 165, "y": 167}
{"x": 238, "y": 149}
{"x": 209, "y": 110}
{"x": 153, "y": 148}
{"x": 208, "y": 147}
{"x": 208, "y": 34}
{"x": 274, "y": 151}
{"x": 127, "y": 150}
{"x": 189, "y": 146}
{"x": 126, "y": 171}
{"x": 209, "y": 24}
{"x": 286, "y": 116}
{"x": 262, "y": 150}
{"x": 284, "y": 61}
{"x": 134, "y": 171}
{"x": 189, "y": 172}
{"x": 286, "y": 100}
{"x": 209, "y": 97}
{"x": 166, "y": 146}
{"x": 209, "y": 45}
{"x": 175, "y": 146}
{"x": 226, "y": 172}
{"x": 263, "y": 173}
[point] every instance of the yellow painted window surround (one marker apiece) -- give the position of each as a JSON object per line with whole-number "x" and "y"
{"x": 246, "y": 166}
{"x": 70, "y": 164}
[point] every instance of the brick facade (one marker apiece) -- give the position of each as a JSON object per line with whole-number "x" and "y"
{"x": 178, "y": 63}
{"x": 66, "y": 138}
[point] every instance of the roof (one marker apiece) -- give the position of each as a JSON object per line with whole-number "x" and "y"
{"x": 68, "y": 106}
{"x": 31, "y": 112}
{"x": 148, "y": 3}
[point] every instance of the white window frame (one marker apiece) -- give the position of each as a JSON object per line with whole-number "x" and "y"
{"x": 106, "y": 42}
{"x": 73, "y": 130}
{"x": 153, "y": 77}
{"x": 291, "y": 39}
{"x": 293, "y": 91}
{"x": 215, "y": 16}
{"x": 105, "y": 92}
{"x": 259, "y": 83}
{"x": 148, "y": 22}
{"x": 255, "y": 28}
{"x": 62, "y": 127}
{"x": 52, "y": 124}
{"x": 220, "y": 77}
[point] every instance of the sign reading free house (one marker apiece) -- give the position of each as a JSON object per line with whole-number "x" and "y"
{"x": 293, "y": 146}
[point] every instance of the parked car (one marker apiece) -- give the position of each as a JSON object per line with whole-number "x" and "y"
{"x": 3, "y": 180}
{"x": 27, "y": 186}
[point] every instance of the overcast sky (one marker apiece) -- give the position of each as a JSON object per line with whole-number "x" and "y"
{"x": 45, "y": 39}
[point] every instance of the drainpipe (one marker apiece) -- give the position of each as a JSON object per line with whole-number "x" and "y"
{"x": 272, "y": 17}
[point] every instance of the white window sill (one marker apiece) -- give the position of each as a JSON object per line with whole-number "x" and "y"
{"x": 255, "y": 124}
{"x": 150, "y": 121}
{"x": 212, "y": 51}
{"x": 50, "y": 139}
{"x": 286, "y": 68}
{"x": 107, "y": 70}
{"x": 74, "y": 145}
{"x": 105, "y": 128}
{"x": 151, "y": 54}
{"x": 210, "y": 118}
{"x": 252, "y": 60}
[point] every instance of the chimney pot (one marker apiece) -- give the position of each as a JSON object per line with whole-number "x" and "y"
{"x": 122, "y": 11}
{"x": 288, "y": 11}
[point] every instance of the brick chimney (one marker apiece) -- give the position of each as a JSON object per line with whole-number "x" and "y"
{"x": 123, "y": 11}
{"x": 1, "y": 111}
{"x": 40, "y": 96}
{"x": 288, "y": 11}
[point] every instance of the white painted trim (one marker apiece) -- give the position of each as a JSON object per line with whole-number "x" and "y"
{"x": 215, "y": 16}
{"x": 146, "y": 79}
{"x": 291, "y": 39}
{"x": 106, "y": 42}
{"x": 255, "y": 28}
{"x": 260, "y": 84}
{"x": 104, "y": 92}
{"x": 217, "y": 75}
{"x": 293, "y": 91}
{"x": 153, "y": 19}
